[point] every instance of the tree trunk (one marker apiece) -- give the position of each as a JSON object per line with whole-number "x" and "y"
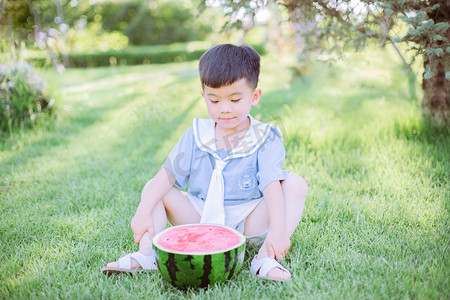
{"x": 303, "y": 32}
{"x": 436, "y": 90}
{"x": 302, "y": 27}
{"x": 63, "y": 52}
{"x": 247, "y": 25}
{"x": 436, "y": 96}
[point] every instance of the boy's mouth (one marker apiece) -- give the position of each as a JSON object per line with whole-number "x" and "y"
{"x": 226, "y": 119}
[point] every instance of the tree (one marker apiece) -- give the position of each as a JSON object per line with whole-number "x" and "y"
{"x": 353, "y": 23}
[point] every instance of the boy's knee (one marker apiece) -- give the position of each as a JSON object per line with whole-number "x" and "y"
{"x": 296, "y": 185}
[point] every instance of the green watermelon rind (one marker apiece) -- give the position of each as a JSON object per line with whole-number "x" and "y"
{"x": 197, "y": 269}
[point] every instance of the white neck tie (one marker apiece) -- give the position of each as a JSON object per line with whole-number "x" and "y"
{"x": 213, "y": 211}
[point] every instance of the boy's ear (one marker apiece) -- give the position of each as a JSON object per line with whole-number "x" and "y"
{"x": 256, "y": 96}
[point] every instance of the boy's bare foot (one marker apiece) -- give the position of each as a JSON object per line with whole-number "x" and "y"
{"x": 115, "y": 264}
{"x": 279, "y": 273}
{"x": 269, "y": 268}
{"x": 131, "y": 263}
{"x": 134, "y": 262}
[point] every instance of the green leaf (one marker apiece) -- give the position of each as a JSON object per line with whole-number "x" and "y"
{"x": 413, "y": 32}
{"x": 421, "y": 16}
{"x": 427, "y": 74}
{"x": 439, "y": 52}
{"x": 441, "y": 27}
{"x": 438, "y": 37}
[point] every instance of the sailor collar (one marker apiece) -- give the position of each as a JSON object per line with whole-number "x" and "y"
{"x": 255, "y": 136}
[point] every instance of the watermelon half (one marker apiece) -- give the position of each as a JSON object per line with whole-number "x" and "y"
{"x": 196, "y": 255}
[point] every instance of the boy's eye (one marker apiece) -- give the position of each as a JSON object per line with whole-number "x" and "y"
{"x": 213, "y": 101}
{"x": 236, "y": 100}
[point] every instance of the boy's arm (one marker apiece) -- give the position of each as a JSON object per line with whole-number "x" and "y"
{"x": 277, "y": 240}
{"x": 152, "y": 193}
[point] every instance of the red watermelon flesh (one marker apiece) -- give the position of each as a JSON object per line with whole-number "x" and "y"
{"x": 198, "y": 239}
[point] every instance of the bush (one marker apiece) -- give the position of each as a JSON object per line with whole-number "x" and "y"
{"x": 23, "y": 98}
{"x": 93, "y": 38}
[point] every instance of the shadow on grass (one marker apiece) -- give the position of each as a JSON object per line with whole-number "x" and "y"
{"x": 55, "y": 213}
{"x": 421, "y": 130}
{"x": 81, "y": 119}
{"x": 433, "y": 142}
{"x": 59, "y": 136}
{"x": 64, "y": 194}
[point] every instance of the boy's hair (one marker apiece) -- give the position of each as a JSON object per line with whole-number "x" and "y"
{"x": 225, "y": 64}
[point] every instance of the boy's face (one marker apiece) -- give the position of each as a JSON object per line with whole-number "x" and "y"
{"x": 229, "y": 106}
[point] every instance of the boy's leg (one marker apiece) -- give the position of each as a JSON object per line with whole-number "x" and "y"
{"x": 295, "y": 190}
{"x": 175, "y": 207}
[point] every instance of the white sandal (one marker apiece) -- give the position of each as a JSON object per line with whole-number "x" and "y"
{"x": 146, "y": 262}
{"x": 262, "y": 266}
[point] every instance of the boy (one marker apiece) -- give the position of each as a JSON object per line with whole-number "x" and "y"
{"x": 233, "y": 164}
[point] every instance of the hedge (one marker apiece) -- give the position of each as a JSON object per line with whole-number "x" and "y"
{"x": 134, "y": 56}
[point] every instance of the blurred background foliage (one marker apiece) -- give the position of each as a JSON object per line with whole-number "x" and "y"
{"x": 134, "y": 22}
{"x": 75, "y": 33}
{"x": 24, "y": 97}
{"x": 93, "y": 33}
{"x": 153, "y": 22}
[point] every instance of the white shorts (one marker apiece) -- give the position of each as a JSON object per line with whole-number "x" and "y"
{"x": 235, "y": 216}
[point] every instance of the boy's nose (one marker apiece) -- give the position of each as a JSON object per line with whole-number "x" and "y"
{"x": 225, "y": 108}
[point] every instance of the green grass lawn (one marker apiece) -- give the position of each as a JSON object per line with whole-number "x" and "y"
{"x": 376, "y": 222}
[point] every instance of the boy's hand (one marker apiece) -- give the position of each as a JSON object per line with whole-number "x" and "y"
{"x": 277, "y": 244}
{"x": 140, "y": 224}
